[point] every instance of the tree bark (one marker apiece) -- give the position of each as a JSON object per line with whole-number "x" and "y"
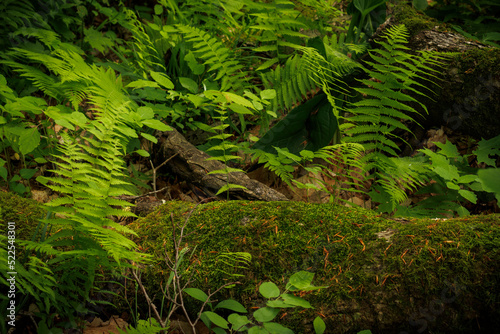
{"x": 192, "y": 165}
{"x": 467, "y": 95}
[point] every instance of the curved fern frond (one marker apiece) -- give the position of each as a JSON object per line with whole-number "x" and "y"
{"x": 290, "y": 81}
{"x": 393, "y": 72}
{"x": 378, "y": 117}
{"x": 219, "y": 59}
{"x": 147, "y": 55}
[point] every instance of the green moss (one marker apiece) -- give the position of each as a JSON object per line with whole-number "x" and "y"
{"x": 372, "y": 283}
{"x": 478, "y": 61}
{"x": 414, "y": 21}
{"x": 24, "y": 212}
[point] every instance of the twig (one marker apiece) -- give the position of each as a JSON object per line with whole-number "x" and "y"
{"x": 155, "y": 169}
{"x": 147, "y": 194}
{"x": 150, "y": 302}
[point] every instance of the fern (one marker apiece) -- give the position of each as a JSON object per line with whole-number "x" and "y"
{"x": 90, "y": 175}
{"x": 377, "y": 118}
{"x": 220, "y": 59}
{"x": 290, "y": 81}
{"x": 147, "y": 55}
{"x": 276, "y": 28}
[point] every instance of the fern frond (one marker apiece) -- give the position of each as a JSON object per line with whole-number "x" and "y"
{"x": 290, "y": 81}
{"x": 220, "y": 59}
{"x": 393, "y": 72}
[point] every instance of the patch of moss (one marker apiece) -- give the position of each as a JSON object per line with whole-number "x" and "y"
{"x": 476, "y": 95}
{"x": 373, "y": 284}
{"x": 414, "y": 21}
{"x": 24, "y": 212}
{"x": 478, "y": 61}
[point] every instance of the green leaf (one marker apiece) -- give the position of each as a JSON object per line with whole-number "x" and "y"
{"x": 142, "y": 84}
{"x": 195, "y": 99}
{"x": 265, "y": 314}
{"x": 145, "y": 112}
{"x": 238, "y": 321}
{"x": 307, "y": 154}
{"x": 196, "y": 294}
{"x": 257, "y": 330}
{"x": 420, "y": 4}
{"x": 239, "y": 109}
{"x": 294, "y": 300}
{"x": 365, "y": 331}
{"x": 232, "y": 305}
{"x": 233, "y": 98}
{"x": 310, "y": 126}
{"x": 162, "y": 79}
{"x": 468, "y": 195}
{"x": 489, "y": 179}
{"x": 215, "y": 318}
{"x": 226, "y": 187}
{"x": 41, "y": 160}
{"x": 195, "y": 67}
{"x": 156, "y": 124}
{"x": 189, "y": 84}
{"x": 218, "y": 330}
{"x": 268, "y": 94}
{"x": 278, "y": 304}
{"x": 467, "y": 178}
{"x": 142, "y": 153}
{"x": 78, "y": 119}
{"x": 27, "y": 173}
{"x": 3, "y": 173}
{"x": 268, "y": 63}
{"x": 301, "y": 280}
{"x": 158, "y": 9}
{"x": 269, "y": 290}
{"x": 29, "y": 140}
{"x": 442, "y": 166}
{"x": 448, "y": 149}
{"x": 487, "y": 148}
{"x": 275, "y": 328}
{"x": 319, "y": 325}
{"x": 149, "y": 137}
{"x": 462, "y": 212}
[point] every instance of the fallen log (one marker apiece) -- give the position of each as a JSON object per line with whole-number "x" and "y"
{"x": 467, "y": 96}
{"x": 191, "y": 164}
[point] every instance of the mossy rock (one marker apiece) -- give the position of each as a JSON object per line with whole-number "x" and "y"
{"x": 383, "y": 274}
{"x": 24, "y": 212}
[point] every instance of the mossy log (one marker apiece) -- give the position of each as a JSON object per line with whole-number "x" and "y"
{"x": 24, "y": 212}
{"x": 387, "y": 275}
{"x": 467, "y": 95}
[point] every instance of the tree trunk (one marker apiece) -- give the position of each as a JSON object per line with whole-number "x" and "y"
{"x": 468, "y": 97}
{"x": 192, "y": 165}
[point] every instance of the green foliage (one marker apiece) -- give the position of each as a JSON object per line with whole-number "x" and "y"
{"x": 144, "y": 327}
{"x": 290, "y": 81}
{"x": 340, "y": 155}
{"x": 476, "y": 19}
{"x": 218, "y": 58}
{"x": 366, "y": 17}
{"x": 19, "y": 136}
{"x": 240, "y": 106}
{"x": 382, "y": 114}
{"x": 309, "y": 126}
{"x": 90, "y": 175}
{"x": 262, "y": 318}
{"x": 453, "y": 181}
